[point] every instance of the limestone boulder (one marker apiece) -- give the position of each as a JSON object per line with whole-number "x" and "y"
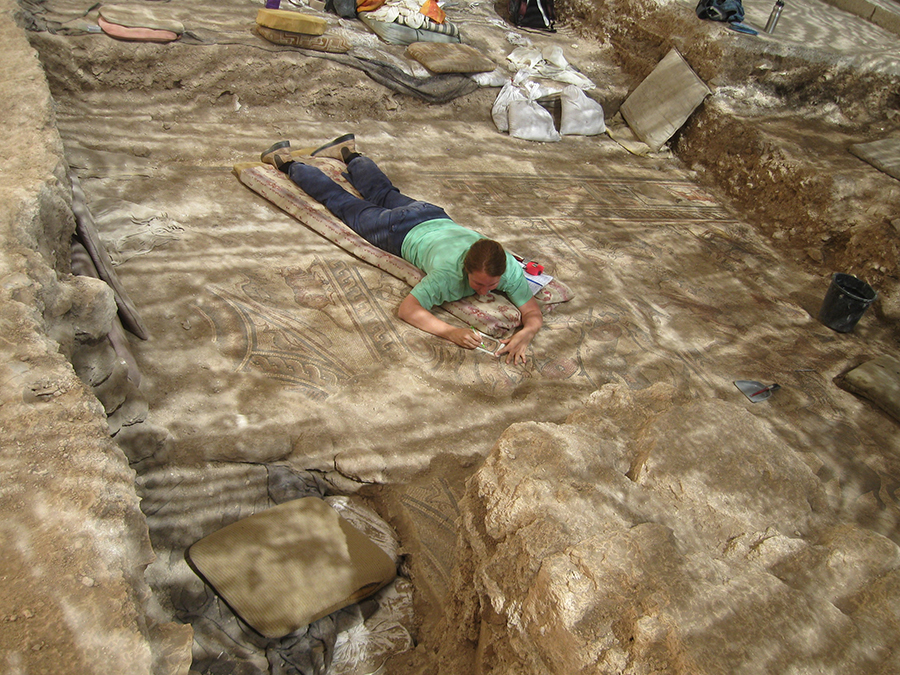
{"x": 664, "y": 548}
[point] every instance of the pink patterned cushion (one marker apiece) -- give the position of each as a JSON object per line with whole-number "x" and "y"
{"x": 136, "y": 34}
{"x": 491, "y": 314}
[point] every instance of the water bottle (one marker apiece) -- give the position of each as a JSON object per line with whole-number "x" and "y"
{"x": 774, "y": 16}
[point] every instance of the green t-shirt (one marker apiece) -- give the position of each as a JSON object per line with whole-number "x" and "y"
{"x": 438, "y": 247}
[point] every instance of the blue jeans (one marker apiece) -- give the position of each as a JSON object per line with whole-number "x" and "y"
{"x": 383, "y": 217}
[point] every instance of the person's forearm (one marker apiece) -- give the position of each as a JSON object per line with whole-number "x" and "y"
{"x": 532, "y": 318}
{"x": 415, "y": 315}
{"x": 532, "y": 322}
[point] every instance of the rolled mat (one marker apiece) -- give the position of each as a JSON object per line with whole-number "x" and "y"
{"x": 89, "y": 236}
{"x": 334, "y": 44}
{"x": 398, "y": 34}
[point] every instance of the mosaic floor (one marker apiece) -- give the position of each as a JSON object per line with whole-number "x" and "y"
{"x": 271, "y": 346}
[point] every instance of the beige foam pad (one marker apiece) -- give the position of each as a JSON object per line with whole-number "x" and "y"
{"x": 879, "y": 381}
{"x": 449, "y": 57}
{"x": 883, "y": 154}
{"x": 141, "y": 16}
{"x": 292, "y": 22}
{"x": 663, "y": 101}
{"x": 286, "y": 567}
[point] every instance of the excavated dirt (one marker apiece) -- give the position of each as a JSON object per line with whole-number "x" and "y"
{"x": 270, "y": 346}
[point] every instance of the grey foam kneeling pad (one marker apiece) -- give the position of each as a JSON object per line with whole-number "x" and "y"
{"x": 664, "y": 100}
{"x": 879, "y": 381}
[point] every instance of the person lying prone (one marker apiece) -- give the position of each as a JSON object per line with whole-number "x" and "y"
{"x": 458, "y": 262}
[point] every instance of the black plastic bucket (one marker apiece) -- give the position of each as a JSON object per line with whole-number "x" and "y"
{"x": 845, "y": 302}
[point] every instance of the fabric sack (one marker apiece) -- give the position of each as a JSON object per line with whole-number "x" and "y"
{"x": 538, "y": 14}
{"x": 500, "y": 110}
{"x": 529, "y": 121}
{"x": 729, "y": 11}
{"x": 580, "y": 115}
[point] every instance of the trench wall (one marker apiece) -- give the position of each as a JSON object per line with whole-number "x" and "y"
{"x": 74, "y": 538}
{"x": 784, "y": 163}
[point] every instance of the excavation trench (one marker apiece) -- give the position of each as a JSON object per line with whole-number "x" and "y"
{"x": 276, "y": 366}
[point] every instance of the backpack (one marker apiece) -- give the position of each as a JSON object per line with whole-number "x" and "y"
{"x": 533, "y": 14}
{"x": 343, "y": 8}
{"x": 730, "y": 11}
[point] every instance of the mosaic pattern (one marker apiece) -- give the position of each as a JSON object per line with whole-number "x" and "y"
{"x": 294, "y": 344}
{"x": 632, "y": 237}
{"x": 591, "y": 197}
{"x": 434, "y": 508}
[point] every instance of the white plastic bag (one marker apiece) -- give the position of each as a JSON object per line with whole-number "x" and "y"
{"x": 580, "y": 114}
{"x": 529, "y": 121}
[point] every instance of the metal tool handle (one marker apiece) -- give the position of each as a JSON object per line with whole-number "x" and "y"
{"x": 774, "y": 16}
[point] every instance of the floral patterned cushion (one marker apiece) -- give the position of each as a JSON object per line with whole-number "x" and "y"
{"x": 492, "y": 314}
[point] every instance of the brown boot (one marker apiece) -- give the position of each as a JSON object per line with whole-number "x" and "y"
{"x": 333, "y": 148}
{"x": 279, "y": 156}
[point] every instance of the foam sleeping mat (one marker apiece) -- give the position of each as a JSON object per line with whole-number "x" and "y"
{"x": 492, "y": 314}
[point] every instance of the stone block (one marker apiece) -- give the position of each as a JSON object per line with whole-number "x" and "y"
{"x": 718, "y": 553}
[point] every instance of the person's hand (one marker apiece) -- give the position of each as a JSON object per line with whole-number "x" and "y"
{"x": 532, "y": 320}
{"x": 465, "y": 338}
{"x": 515, "y": 347}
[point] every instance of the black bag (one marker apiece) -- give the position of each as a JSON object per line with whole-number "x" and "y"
{"x": 729, "y": 11}
{"x": 343, "y": 8}
{"x": 533, "y": 14}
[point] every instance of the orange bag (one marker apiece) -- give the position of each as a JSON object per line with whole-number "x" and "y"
{"x": 432, "y": 11}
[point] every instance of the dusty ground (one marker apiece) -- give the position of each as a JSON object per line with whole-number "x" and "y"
{"x": 270, "y": 346}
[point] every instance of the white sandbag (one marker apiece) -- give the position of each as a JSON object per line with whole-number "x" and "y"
{"x": 525, "y": 58}
{"x": 496, "y": 78}
{"x": 499, "y": 111}
{"x": 531, "y": 122}
{"x": 549, "y": 64}
{"x": 554, "y": 56}
{"x": 580, "y": 114}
